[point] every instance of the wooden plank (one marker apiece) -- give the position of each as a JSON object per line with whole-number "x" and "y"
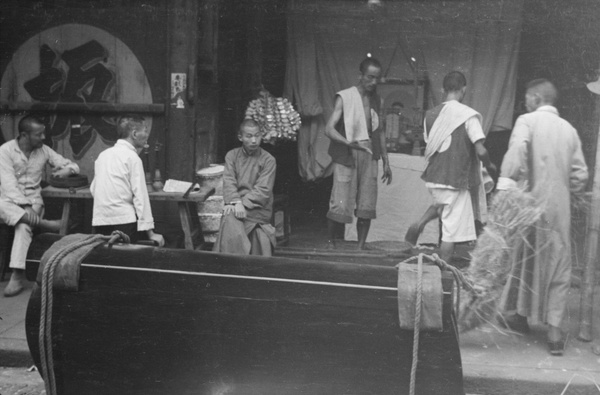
{"x": 86, "y": 108}
{"x": 199, "y": 196}
{"x": 84, "y": 193}
{"x": 591, "y": 252}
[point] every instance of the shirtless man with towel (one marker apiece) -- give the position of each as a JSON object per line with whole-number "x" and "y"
{"x": 357, "y": 143}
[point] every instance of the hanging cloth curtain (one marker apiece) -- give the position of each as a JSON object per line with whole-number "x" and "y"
{"x": 328, "y": 40}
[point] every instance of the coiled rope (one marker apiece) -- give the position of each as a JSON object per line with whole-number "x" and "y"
{"x": 45, "y": 332}
{"x": 460, "y": 279}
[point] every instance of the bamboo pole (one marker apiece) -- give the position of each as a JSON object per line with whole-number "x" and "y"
{"x": 591, "y": 253}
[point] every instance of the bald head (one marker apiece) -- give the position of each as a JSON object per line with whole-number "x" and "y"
{"x": 540, "y": 92}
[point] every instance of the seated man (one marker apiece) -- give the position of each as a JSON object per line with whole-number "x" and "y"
{"x": 22, "y": 163}
{"x": 248, "y": 195}
{"x": 121, "y": 199}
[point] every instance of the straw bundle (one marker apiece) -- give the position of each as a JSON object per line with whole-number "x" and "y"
{"x": 513, "y": 215}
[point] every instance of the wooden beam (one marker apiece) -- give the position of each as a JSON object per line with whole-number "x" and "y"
{"x": 181, "y": 120}
{"x": 68, "y": 107}
{"x": 591, "y": 252}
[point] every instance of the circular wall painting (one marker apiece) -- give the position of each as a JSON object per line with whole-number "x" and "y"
{"x": 74, "y": 63}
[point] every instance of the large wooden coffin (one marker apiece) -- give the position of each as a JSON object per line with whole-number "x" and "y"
{"x": 160, "y": 321}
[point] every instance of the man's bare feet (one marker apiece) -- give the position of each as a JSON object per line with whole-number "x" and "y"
{"x": 365, "y": 247}
{"x": 412, "y": 234}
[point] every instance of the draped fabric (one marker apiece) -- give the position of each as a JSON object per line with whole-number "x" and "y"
{"x": 327, "y": 41}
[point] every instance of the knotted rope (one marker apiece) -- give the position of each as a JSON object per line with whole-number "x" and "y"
{"x": 460, "y": 279}
{"x": 45, "y": 332}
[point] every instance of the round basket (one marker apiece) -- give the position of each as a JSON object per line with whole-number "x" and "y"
{"x": 212, "y": 205}
{"x": 212, "y": 177}
{"x": 210, "y": 222}
{"x": 72, "y": 181}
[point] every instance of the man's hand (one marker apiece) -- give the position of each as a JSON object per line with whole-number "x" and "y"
{"x": 239, "y": 210}
{"x": 63, "y": 172}
{"x": 31, "y": 216}
{"x": 156, "y": 238}
{"x": 387, "y": 174}
{"x": 492, "y": 170}
{"x": 359, "y": 147}
{"x": 228, "y": 209}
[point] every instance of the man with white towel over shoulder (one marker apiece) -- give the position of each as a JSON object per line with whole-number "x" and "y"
{"x": 455, "y": 140}
{"x": 357, "y": 143}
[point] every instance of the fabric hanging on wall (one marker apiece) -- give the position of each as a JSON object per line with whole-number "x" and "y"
{"x": 328, "y": 40}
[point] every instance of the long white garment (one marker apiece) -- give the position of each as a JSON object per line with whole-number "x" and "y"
{"x": 544, "y": 155}
{"x": 119, "y": 188}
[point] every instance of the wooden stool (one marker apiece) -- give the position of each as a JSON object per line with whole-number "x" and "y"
{"x": 7, "y": 234}
{"x": 281, "y": 204}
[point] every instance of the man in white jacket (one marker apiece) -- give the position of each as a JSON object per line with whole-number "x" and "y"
{"x": 121, "y": 199}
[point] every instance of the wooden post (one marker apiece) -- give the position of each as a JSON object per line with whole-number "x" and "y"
{"x": 591, "y": 254}
{"x": 207, "y": 107}
{"x": 181, "y": 119}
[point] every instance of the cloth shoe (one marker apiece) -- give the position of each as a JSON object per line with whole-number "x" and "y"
{"x": 557, "y": 348}
{"x": 14, "y": 287}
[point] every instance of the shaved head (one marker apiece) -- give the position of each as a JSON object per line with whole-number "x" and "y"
{"x": 543, "y": 89}
{"x": 454, "y": 81}
{"x": 248, "y": 123}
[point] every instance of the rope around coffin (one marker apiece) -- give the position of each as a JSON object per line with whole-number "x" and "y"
{"x": 45, "y": 331}
{"x": 460, "y": 281}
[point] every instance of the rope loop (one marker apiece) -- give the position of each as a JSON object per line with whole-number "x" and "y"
{"x": 435, "y": 258}
{"x": 117, "y": 236}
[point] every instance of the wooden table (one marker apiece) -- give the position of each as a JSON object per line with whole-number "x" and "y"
{"x": 188, "y": 212}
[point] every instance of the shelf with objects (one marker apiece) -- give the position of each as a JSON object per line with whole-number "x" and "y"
{"x": 404, "y": 103}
